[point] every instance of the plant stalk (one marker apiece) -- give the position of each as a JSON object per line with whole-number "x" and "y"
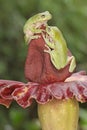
{"x": 59, "y": 114}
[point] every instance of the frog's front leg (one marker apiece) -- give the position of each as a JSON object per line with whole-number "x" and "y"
{"x": 72, "y": 63}
{"x": 48, "y": 41}
{"x": 48, "y": 50}
{"x": 51, "y": 53}
{"x": 54, "y": 57}
{"x": 35, "y": 33}
{"x": 31, "y": 34}
{"x": 35, "y": 37}
{"x": 28, "y": 39}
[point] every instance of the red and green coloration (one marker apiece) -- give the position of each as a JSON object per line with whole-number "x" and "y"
{"x": 57, "y": 92}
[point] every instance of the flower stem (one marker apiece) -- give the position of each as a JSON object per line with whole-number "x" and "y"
{"x": 59, "y": 114}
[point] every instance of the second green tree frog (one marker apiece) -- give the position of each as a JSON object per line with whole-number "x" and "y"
{"x": 33, "y": 25}
{"x": 57, "y": 48}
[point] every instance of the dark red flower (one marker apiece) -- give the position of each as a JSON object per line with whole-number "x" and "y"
{"x": 45, "y": 81}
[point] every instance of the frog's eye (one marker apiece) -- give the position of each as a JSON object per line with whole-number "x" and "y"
{"x": 43, "y": 16}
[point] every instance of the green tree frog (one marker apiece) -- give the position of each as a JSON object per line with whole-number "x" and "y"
{"x": 33, "y": 25}
{"x": 57, "y": 48}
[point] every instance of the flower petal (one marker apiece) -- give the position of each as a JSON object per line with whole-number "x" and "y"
{"x": 74, "y": 86}
{"x": 7, "y": 87}
{"x": 43, "y": 95}
{"x": 5, "y": 102}
{"x": 24, "y": 95}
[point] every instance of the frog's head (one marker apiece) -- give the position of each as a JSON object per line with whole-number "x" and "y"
{"x": 37, "y": 19}
{"x": 41, "y": 17}
{"x": 36, "y": 22}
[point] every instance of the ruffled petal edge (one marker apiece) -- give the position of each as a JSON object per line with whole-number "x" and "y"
{"x": 24, "y": 93}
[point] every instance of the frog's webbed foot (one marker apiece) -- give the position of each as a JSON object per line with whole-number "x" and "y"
{"x": 72, "y": 63}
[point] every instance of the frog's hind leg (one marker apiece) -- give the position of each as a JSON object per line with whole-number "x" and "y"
{"x": 72, "y": 63}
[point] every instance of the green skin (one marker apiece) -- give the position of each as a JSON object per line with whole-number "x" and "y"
{"x": 32, "y": 26}
{"x": 57, "y": 48}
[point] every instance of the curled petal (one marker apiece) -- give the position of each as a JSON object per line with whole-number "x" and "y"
{"x": 24, "y": 95}
{"x": 5, "y": 102}
{"x": 74, "y": 86}
{"x": 69, "y": 90}
{"x": 43, "y": 95}
{"x": 7, "y": 87}
{"x": 79, "y": 76}
{"x": 14, "y": 90}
